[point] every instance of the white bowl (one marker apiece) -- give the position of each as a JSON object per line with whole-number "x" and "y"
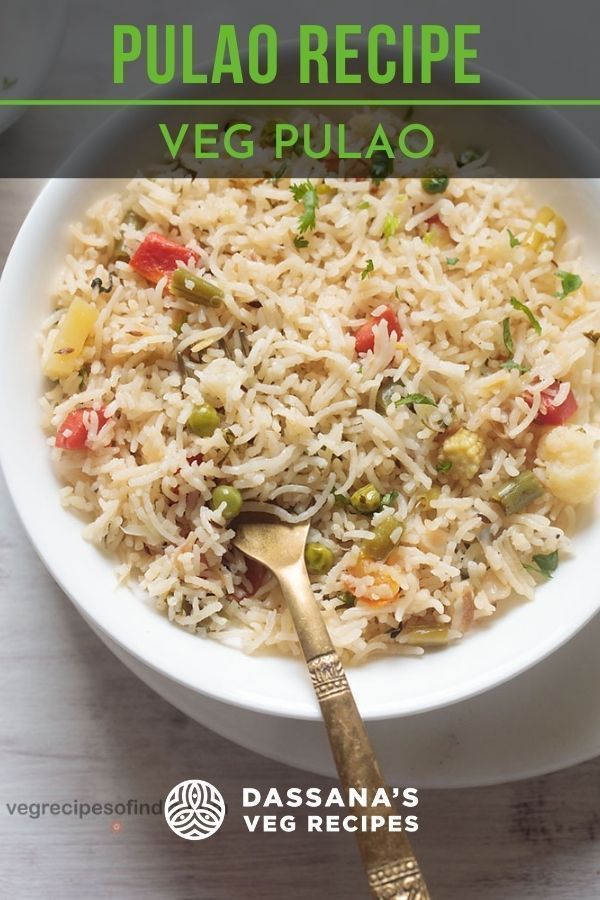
{"x": 390, "y": 687}
{"x": 504, "y": 734}
{"x": 509, "y": 643}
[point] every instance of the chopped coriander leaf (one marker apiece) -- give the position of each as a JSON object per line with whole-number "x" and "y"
{"x": 388, "y": 499}
{"x": 300, "y": 242}
{"x": 451, "y": 260}
{"x": 368, "y": 270}
{"x": 570, "y": 284}
{"x": 507, "y": 337}
{"x": 522, "y": 307}
{"x": 390, "y": 226}
{"x": 381, "y": 166}
{"x": 510, "y": 364}
{"x": 514, "y": 241}
{"x": 416, "y": 399}
{"x": 97, "y": 285}
{"x": 347, "y": 599}
{"x": 443, "y": 466}
{"x": 306, "y": 193}
{"x": 364, "y": 205}
{"x": 544, "y": 564}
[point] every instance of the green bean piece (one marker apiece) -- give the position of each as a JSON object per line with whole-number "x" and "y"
{"x": 436, "y": 182}
{"x": 195, "y": 289}
{"x": 135, "y": 221}
{"x": 381, "y": 545}
{"x": 424, "y": 636}
{"x": 366, "y": 499}
{"x": 232, "y": 499}
{"x": 517, "y": 493}
{"x": 204, "y": 420}
{"x": 318, "y": 558}
{"x": 385, "y": 396}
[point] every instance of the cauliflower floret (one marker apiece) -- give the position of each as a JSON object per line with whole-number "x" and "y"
{"x": 465, "y": 450}
{"x": 572, "y": 467}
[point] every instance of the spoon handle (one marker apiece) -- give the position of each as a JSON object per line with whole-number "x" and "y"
{"x": 392, "y": 869}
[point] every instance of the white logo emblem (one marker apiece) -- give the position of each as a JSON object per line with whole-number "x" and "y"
{"x": 194, "y": 810}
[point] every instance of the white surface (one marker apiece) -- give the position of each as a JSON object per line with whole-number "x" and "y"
{"x": 544, "y": 720}
{"x": 492, "y": 653}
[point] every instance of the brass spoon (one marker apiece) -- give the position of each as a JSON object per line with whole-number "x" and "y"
{"x": 390, "y": 864}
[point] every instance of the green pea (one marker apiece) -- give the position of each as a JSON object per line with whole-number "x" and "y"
{"x": 380, "y": 545}
{"x": 385, "y": 395}
{"x": 204, "y": 420}
{"x": 318, "y": 558}
{"x": 366, "y": 499}
{"x": 232, "y": 499}
{"x": 436, "y": 182}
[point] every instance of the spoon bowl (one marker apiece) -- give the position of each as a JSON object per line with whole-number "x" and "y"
{"x": 266, "y": 538}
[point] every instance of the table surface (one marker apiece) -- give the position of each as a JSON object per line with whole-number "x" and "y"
{"x": 78, "y": 724}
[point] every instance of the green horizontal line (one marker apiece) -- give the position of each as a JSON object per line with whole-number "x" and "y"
{"x": 298, "y": 102}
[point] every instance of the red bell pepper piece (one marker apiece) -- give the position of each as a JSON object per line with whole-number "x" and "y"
{"x": 364, "y": 337}
{"x": 158, "y": 256}
{"x": 73, "y": 433}
{"x": 551, "y": 414}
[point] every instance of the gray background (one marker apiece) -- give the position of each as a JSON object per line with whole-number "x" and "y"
{"x": 76, "y": 723}
{"x": 534, "y": 43}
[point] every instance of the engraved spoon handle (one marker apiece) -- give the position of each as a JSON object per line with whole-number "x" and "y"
{"x": 390, "y": 864}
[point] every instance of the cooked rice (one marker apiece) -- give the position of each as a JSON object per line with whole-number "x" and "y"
{"x": 301, "y": 404}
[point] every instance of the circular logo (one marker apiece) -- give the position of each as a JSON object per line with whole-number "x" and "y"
{"x": 194, "y": 810}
